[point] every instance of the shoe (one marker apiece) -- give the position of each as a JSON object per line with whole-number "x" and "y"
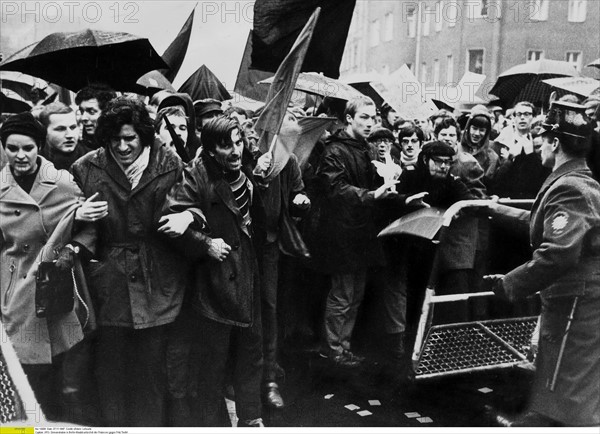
{"x": 531, "y": 419}
{"x": 272, "y": 396}
{"x": 254, "y": 423}
{"x": 344, "y": 360}
{"x": 353, "y": 356}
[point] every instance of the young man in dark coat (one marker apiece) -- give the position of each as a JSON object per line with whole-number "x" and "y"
{"x": 138, "y": 281}
{"x": 564, "y": 227}
{"x": 348, "y": 242}
{"x": 219, "y": 207}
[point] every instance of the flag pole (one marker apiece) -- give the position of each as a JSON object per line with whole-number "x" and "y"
{"x": 272, "y": 147}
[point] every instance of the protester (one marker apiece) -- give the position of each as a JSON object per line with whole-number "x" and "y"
{"x": 347, "y": 232}
{"x": 92, "y": 101}
{"x": 410, "y": 141}
{"x": 475, "y": 141}
{"x": 138, "y": 280}
{"x": 563, "y": 225}
{"x": 219, "y": 194}
{"x": 62, "y": 146}
{"x": 41, "y": 209}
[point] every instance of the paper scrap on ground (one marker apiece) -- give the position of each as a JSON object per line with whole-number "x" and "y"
{"x": 412, "y": 414}
{"x": 352, "y": 407}
{"x": 425, "y": 419}
{"x": 364, "y": 413}
{"x": 329, "y": 396}
{"x": 485, "y": 390}
{"x": 374, "y": 402}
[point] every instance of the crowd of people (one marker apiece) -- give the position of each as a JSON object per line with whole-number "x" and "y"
{"x": 193, "y": 263}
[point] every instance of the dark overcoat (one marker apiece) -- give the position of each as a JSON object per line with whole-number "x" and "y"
{"x": 139, "y": 279}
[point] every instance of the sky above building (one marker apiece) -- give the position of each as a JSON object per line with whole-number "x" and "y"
{"x": 218, "y": 37}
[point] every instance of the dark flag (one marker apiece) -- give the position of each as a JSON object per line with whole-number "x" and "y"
{"x": 175, "y": 53}
{"x": 273, "y": 138}
{"x": 204, "y": 84}
{"x": 247, "y": 80}
{"x": 277, "y": 24}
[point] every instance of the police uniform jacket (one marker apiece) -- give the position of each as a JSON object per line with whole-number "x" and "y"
{"x": 565, "y": 236}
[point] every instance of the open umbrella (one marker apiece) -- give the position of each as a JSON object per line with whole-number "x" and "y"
{"x": 24, "y": 84}
{"x": 76, "y": 59}
{"x": 524, "y": 82}
{"x": 594, "y": 64}
{"x": 318, "y": 84}
{"x": 12, "y": 102}
{"x": 152, "y": 82}
{"x": 583, "y": 86}
{"x": 204, "y": 84}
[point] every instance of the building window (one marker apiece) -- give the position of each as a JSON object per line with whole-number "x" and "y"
{"x": 439, "y": 16}
{"x": 539, "y": 10}
{"x": 374, "y": 36}
{"x": 475, "y": 61}
{"x": 533, "y": 55}
{"x": 451, "y": 13}
{"x": 574, "y": 58}
{"x": 449, "y": 69}
{"x": 411, "y": 21}
{"x": 427, "y": 21}
{"x": 388, "y": 31}
{"x": 436, "y": 71}
{"x": 577, "y": 10}
{"x": 424, "y": 76}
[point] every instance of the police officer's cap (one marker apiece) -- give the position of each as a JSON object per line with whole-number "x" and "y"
{"x": 569, "y": 119}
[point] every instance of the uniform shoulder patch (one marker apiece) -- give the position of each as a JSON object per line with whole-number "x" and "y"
{"x": 559, "y": 222}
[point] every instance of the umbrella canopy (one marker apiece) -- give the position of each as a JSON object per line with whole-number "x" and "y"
{"x": 204, "y": 84}
{"x": 524, "y": 82}
{"x": 12, "y": 102}
{"x": 594, "y": 64}
{"x": 24, "y": 84}
{"x": 152, "y": 82}
{"x": 318, "y": 84}
{"x": 583, "y": 86}
{"x": 76, "y": 59}
{"x": 424, "y": 223}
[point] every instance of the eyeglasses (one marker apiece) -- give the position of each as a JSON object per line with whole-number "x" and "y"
{"x": 524, "y": 114}
{"x": 442, "y": 161}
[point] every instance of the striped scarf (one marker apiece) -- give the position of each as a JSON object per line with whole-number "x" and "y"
{"x": 239, "y": 186}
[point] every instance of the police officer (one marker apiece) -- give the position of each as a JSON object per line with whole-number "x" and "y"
{"x": 564, "y": 227}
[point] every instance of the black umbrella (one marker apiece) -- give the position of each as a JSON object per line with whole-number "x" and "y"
{"x": 152, "y": 82}
{"x": 524, "y": 82}
{"x": 12, "y": 102}
{"x": 76, "y": 59}
{"x": 594, "y": 64}
{"x": 204, "y": 84}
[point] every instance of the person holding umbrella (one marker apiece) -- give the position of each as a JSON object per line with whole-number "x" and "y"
{"x": 564, "y": 227}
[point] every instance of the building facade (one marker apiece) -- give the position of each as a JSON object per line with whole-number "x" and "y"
{"x": 440, "y": 40}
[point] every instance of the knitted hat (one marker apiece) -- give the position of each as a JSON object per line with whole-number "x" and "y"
{"x": 25, "y": 124}
{"x": 380, "y": 133}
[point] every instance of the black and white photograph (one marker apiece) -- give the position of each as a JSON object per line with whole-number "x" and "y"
{"x": 302, "y": 215}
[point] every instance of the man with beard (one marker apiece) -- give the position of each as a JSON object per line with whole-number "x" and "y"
{"x": 218, "y": 194}
{"x": 348, "y": 234}
{"x": 91, "y": 101}
{"x": 62, "y": 146}
{"x": 564, "y": 229}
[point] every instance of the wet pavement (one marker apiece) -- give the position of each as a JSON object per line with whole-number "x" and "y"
{"x": 316, "y": 395}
